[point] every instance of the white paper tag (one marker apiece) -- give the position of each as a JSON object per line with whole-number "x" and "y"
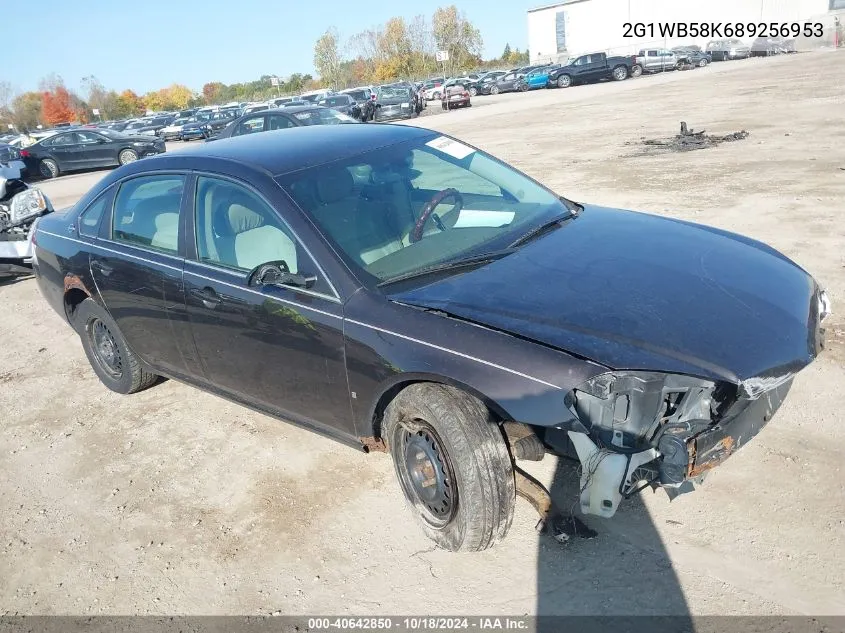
{"x": 451, "y": 147}
{"x": 472, "y": 218}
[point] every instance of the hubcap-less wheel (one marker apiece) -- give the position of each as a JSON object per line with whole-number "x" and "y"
{"x": 702, "y": 63}
{"x": 620, "y": 73}
{"x": 563, "y": 81}
{"x": 427, "y": 476}
{"x": 105, "y": 348}
{"x": 127, "y": 156}
{"x": 494, "y": 90}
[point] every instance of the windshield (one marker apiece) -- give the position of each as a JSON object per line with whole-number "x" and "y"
{"x": 368, "y": 205}
{"x": 358, "y": 95}
{"x": 392, "y": 93}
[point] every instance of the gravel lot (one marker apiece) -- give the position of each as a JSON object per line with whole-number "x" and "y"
{"x": 175, "y": 501}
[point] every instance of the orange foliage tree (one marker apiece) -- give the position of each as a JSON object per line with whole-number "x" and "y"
{"x": 55, "y": 106}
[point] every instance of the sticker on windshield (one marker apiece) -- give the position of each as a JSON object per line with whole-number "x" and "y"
{"x": 451, "y": 147}
{"x": 475, "y": 219}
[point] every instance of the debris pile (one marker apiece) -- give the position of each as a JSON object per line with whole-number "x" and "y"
{"x": 689, "y": 140}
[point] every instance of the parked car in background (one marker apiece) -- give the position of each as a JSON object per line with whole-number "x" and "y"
{"x": 724, "y": 50}
{"x": 394, "y": 102}
{"x": 360, "y": 94}
{"x": 87, "y": 149}
{"x": 313, "y": 96}
{"x": 257, "y": 107}
{"x": 342, "y": 103}
{"x": 155, "y": 125}
{"x": 594, "y": 67}
{"x": 691, "y": 56}
{"x": 11, "y": 162}
{"x": 485, "y": 82}
{"x": 432, "y": 89}
{"x": 539, "y": 77}
{"x": 401, "y": 291}
{"x": 173, "y": 131}
{"x": 455, "y": 96}
{"x": 509, "y": 82}
{"x": 656, "y": 60}
{"x": 768, "y": 46}
{"x": 207, "y": 126}
{"x": 281, "y": 119}
{"x": 133, "y": 127}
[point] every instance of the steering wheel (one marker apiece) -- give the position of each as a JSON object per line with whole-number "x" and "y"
{"x": 430, "y": 206}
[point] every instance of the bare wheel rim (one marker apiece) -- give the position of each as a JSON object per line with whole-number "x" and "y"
{"x": 702, "y": 63}
{"x": 563, "y": 81}
{"x": 427, "y": 476}
{"x": 105, "y": 348}
{"x": 127, "y": 156}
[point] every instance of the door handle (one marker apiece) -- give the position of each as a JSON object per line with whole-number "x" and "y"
{"x": 98, "y": 265}
{"x": 209, "y": 297}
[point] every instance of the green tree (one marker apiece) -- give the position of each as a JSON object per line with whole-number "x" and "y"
{"x": 507, "y": 54}
{"x": 455, "y": 34}
{"x": 327, "y": 57}
{"x": 26, "y": 110}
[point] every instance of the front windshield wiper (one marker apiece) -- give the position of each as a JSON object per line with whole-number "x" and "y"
{"x": 544, "y": 228}
{"x": 451, "y": 265}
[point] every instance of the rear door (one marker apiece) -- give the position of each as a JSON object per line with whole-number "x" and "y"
{"x": 137, "y": 266}
{"x": 64, "y": 148}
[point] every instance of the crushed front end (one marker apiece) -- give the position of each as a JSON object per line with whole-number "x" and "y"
{"x": 20, "y": 208}
{"x": 639, "y": 429}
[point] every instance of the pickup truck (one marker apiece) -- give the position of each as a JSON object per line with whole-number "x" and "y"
{"x": 594, "y": 67}
{"x": 656, "y": 60}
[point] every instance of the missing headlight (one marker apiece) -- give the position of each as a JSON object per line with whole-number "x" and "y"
{"x": 629, "y": 411}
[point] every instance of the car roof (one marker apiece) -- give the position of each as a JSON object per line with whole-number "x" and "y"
{"x": 284, "y": 151}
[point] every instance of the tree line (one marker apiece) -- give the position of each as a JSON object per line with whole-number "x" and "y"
{"x": 397, "y": 49}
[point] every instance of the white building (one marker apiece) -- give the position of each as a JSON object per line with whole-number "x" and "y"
{"x": 574, "y": 27}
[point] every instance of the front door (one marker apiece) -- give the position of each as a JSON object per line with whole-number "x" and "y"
{"x": 95, "y": 150}
{"x": 277, "y": 347}
{"x": 138, "y": 270}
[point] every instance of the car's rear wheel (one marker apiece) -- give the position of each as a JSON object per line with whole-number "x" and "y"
{"x": 127, "y": 156}
{"x": 620, "y": 73}
{"x": 564, "y": 81}
{"x": 452, "y": 464}
{"x": 48, "y": 168}
{"x": 117, "y": 367}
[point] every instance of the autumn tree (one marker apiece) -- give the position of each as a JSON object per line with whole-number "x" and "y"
{"x": 327, "y": 57}
{"x": 455, "y": 34}
{"x": 56, "y": 106}
{"x": 26, "y": 110}
{"x": 128, "y": 104}
{"x": 211, "y": 92}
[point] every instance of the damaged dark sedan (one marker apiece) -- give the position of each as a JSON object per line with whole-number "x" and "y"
{"x": 400, "y": 290}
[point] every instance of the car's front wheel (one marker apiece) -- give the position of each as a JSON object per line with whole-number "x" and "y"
{"x": 494, "y": 90}
{"x": 702, "y": 63}
{"x": 127, "y": 156}
{"x": 636, "y": 70}
{"x": 117, "y": 367}
{"x": 473, "y": 92}
{"x": 452, "y": 464}
{"x": 48, "y": 168}
{"x": 564, "y": 81}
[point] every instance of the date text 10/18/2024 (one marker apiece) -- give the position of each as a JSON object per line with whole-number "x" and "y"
{"x": 722, "y": 29}
{"x": 421, "y": 623}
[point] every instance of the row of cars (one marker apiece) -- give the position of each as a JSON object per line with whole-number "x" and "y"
{"x": 599, "y": 66}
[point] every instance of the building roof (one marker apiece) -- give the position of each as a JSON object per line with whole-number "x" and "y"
{"x": 560, "y": 3}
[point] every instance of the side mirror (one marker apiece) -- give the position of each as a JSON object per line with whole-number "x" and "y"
{"x": 278, "y": 274}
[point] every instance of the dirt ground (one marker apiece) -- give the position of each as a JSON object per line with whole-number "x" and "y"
{"x": 175, "y": 501}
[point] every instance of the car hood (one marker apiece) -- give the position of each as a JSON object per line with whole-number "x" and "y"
{"x": 637, "y": 291}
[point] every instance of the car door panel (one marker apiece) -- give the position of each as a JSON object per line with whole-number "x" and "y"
{"x": 64, "y": 149}
{"x": 280, "y": 349}
{"x": 140, "y": 286}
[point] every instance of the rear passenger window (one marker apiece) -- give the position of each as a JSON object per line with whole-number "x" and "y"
{"x": 146, "y": 212}
{"x": 89, "y": 221}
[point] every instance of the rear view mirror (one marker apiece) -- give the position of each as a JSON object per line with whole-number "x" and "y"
{"x": 278, "y": 274}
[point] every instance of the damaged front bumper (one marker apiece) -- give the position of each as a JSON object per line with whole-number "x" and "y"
{"x": 642, "y": 429}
